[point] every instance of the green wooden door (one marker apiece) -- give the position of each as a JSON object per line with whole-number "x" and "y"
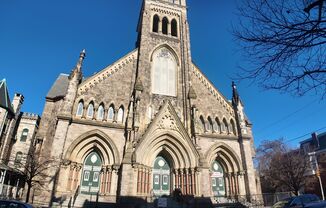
{"x": 90, "y": 181}
{"x": 217, "y": 178}
{"x": 161, "y": 177}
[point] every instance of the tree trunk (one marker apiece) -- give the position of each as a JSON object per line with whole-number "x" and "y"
{"x": 29, "y": 186}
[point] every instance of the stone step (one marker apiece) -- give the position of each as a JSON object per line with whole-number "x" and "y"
{"x": 85, "y": 201}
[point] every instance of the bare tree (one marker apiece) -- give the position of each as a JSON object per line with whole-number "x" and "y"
{"x": 281, "y": 168}
{"x": 34, "y": 169}
{"x": 284, "y": 44}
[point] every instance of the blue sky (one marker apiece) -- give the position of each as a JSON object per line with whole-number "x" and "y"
{"x": 40, "y": 39}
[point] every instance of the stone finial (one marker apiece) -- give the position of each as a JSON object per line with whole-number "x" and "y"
{"x": 235, "y": 94}
{"x": 192, "y": 94}
{"x": 77, "y": 70}
{"x": 139, "y": 85}
{"x": 82, "y": 56}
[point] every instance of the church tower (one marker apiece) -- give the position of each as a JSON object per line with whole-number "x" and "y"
{"x": 147, "y": 125}
{"x": 164, "y": 58}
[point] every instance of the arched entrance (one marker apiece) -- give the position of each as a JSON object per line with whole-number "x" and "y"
{"x": 217, "y": 179}
{"x": 90, "y": 181}
{"x": 161, "y": 177}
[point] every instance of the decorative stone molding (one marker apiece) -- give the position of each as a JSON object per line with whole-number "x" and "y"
{"x": 162, "y": 9}
{"x": 167, "y": 122}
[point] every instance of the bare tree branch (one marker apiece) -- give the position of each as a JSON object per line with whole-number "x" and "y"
{"x": 284, "y": 44}
{"x": 281, "y": 168}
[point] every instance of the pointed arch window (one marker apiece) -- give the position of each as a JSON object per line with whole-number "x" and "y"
{"x": 111, "y": 113}
{"x": 90, "y": 110}
{"x": 100, "y": 113}
{"x": 156, "y": 21}
{"x": 233, "y": 129}
{"x": 209, "y": 124}
{"x": 24, "y": 135}
{"x": 174, "y": 28}
{"x": 80, "y": 109}
{"x": 164, "y": 73}
{"x": 217, "y": 126}
{"x": 203, "y": 125}
{"x": 165, "y": 23}
{"x": 120, "y": 114}
{"x": 226, "y": 126}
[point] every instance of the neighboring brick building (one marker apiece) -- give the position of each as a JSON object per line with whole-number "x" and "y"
{"x": 146, "y": 125}
{"x": 317, "y": 144}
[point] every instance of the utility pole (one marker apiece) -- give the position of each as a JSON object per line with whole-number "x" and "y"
{"x": 315, "y": 167}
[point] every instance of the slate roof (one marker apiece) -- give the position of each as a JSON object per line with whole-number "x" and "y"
{"x": 4, "y": 97}
{"x": 59, "y": 87}
{"x": 322, "y": 141}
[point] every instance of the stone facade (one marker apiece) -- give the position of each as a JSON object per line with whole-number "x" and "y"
{"x": 118, "y": 114}
{"x": 17, "y": 142}
{"x": 24, "y": 141}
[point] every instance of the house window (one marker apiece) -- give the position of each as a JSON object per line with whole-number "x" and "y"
{"x": 80, "y": 109}
{"x": 24, "y": 135}
{"x": 111, "y": 113}
{"x": 100, "y": 113}
{"x": 120, "y": 115}
{"x": 18, "y": 159}
{"x": 90, "y": 110}
{"x": 164, "y": 73}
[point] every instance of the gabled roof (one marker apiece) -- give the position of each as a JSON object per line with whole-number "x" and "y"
{"x": 211, "y": 88}
{"x": 167, "y": 122}
{"x": 107, "y": 72}
{"x": 4, "y": 97}
{"x": 59, "y": 88}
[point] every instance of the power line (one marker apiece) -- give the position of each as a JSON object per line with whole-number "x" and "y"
{"x": 285, "y": 117}
{"x": 299, "y": 137}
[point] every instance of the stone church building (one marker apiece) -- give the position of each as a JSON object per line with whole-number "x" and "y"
{"x": 146, "y": 125}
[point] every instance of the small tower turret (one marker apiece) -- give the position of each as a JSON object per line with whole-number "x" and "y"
{"x": 75, "y": 79}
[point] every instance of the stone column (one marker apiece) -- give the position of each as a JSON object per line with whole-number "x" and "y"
{"x": 169, "y": 28}
{"x": 198, "y": 183}
{"x": 105, "y": 114}
{"x": 103, "y": 180}
{"x": 108, "y": 180}
{"x": 84, "y": 112}
{"x": 114, "y": 181}
{"x": 204, "y": 180}
{"x": 115, "y": 117}
{"x": 127, "y": 178}
{"x": 242, "y": 189}
{"x": 138, "y": 180}
{"x": 160, "y": 26}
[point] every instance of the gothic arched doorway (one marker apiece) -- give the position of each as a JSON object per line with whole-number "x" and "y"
{"x": 161, "y": 176}
{"x": 90, "y": 181}
{"x": 217, "y": 178}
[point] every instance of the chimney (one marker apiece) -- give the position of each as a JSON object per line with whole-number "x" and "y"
{"x": 315, "y": 140}
{"x": 17, "y": 102}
